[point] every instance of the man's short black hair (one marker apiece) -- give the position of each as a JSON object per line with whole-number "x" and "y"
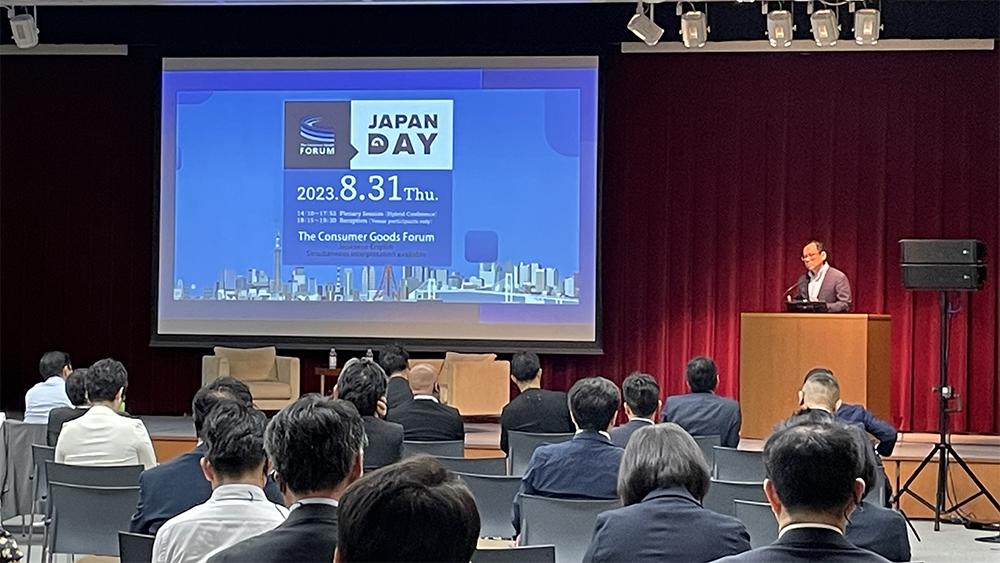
{"x": 813, "y": 464}
{"x": 234, "y": 438}
{"x": 104, "y": 379}
{"x": 414, "y": 510}
{"x": 76, "y": 387}
{"x": 870, "y": 472}
{"x": 314, "y": 442}
{"x": 702, "y": 374}
{"x": 52, "y": 363}
{"x": 641, "y": 394}
{"x": 593, "y": 402}
{"x": 362, "y": 382}
{"x": 524, "y": 366}
{"x": 394, "y": 358}
{"x": 218, "y": 390}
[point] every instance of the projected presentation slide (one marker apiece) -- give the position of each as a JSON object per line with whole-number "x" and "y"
{"x": 405, "y": 198}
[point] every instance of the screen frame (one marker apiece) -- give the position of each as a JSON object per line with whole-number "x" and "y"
{"x": 583, "y": 347}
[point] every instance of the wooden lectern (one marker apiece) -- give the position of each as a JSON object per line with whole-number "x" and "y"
{"x": 778, "y": 349}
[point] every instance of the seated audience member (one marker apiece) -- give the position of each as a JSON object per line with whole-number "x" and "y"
{"x": 586, "y": 466}
{"x": 701, "y": 412}
{"x": 395, "y": 360}
{"x": 534, "y": 409}
{"x": 102, "y": 437}
{"x": 180, "y": 484}
{"x": 315, "y": 447}
{"x": 812, "y": 486}
{"x": 642, "y": 399}
{"x": 884, "y": 432}
{"x": 234, "y": 463}
{"x": 662, "y": 480}
{"x": 77, "y": 393}
{"x": 425, "y": 418}
{"x": 414, "y": 510}
{"x": 873, "y": 527}
{"x": 50, "y": 393}
{"x": 362, "y": 383}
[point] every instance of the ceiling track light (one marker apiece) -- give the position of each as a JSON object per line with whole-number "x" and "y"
{"x": 780, "y": 27}
{"x": 644, "y": 27}
{"x": 867, "y": 25}
{"x": 694, "y": 26}
{"x": 23, "y": 27}
{"x": 825, "y": 27}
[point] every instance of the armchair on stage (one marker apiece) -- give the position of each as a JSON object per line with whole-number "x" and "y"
{"x": 475, "y": 384}
{"x": 273, "y": 380}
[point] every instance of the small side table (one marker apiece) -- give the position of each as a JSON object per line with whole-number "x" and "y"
{"x": 324, "y": 373}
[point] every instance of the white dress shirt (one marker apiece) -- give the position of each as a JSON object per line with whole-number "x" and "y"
{"x": 789, "y": 527}
{"x": 816, "y": 281}
{"x": 43, "y": 397}
{"x": 104, "y": 438}
{"x": 232, "y": 514}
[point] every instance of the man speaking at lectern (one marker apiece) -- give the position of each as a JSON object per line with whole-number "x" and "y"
{"x": 822, "y": 282}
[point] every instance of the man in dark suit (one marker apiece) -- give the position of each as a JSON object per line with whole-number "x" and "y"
{"x": 77, "y": 393}
{"x": 701, "y": 412}
{"x": 812, "y": 485}
{"x": 821, "y": 390}
{"x": 315, "y": 448}
{"x": 362, "y": 382}
{"x": 425, "y": 418}
{"x": 178, "y": 485}
{"x": 395, "y": 360}
{"x": 822, "y": 282}
{"x": 642, "y": 399}
{"x": 586, "y": 466}
{"x": 534, "y": 409}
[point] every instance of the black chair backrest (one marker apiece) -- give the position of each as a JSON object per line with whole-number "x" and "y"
{"x": 525, "y": 554}
{"x": 89, "y": 506}
{"x": 567, "y": 524}
{"x": 738, "y": 465}
{"x": 449, "y": 448}
{"x": 39, "y": 455}
{"x": 721, "y": 495}
{"x": 119, "y": 476}
{"x": 759, "y": 521}
{"x": 475, "y": 465}
{"x": 707, "y": 445}
{"x": 494, "y": 495}
{"x": 523, "y": 444}
{"x": 135, "y": 548}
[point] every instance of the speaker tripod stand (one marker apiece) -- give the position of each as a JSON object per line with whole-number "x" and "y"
{"x": 943, "y": 449}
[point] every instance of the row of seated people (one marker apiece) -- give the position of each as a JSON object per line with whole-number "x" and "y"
{"x": 182, "y": 483}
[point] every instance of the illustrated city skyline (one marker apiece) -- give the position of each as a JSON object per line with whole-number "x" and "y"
{"x": 507, "y": 282}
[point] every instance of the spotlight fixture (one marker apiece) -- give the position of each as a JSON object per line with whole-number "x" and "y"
{"x": 825, "y": 28}
{"x": 780, "y": 28}
{"x": 23, "y": 29}
{"x": 867, "y": 24}
{"x": 644, "y": 27}
{"x": 694, "y": 28}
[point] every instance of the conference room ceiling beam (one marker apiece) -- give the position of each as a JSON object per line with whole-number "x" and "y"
{"x": 400, "y": 2}
{"x": 804, "y": 46}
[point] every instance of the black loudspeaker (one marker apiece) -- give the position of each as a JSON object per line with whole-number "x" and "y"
{"x": 943, "y": 265}
{"x": 938, "y": 251}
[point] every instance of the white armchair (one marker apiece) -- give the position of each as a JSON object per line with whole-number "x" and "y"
{"x": 273, "y": 380}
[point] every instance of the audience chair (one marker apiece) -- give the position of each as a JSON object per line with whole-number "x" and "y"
{"x": 135, "y": 548}
{"x": 721, "y": 495}
{"x": 16, "y": 497}
{"x": 526, "y": 554}
{"x": 88, "y": 507}
{"x": 494, "y": 496}
{"x": 759, "y": 520}
{"x": 738, "y": 465}
{"x": 707, "y": 445}
{"x": 475, "y": 465}
{"x": 443, "y": 448}
{"x": 568, "y": 524}
{"x": 39, "y": 455}
{"x": 522, "y": 444}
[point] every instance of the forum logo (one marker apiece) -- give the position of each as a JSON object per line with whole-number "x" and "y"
{"x": 317, "y": 138}
{"x": 311, "y": 131}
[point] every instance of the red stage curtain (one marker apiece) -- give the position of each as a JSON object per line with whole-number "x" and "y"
{"x": 717, "y": 169}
